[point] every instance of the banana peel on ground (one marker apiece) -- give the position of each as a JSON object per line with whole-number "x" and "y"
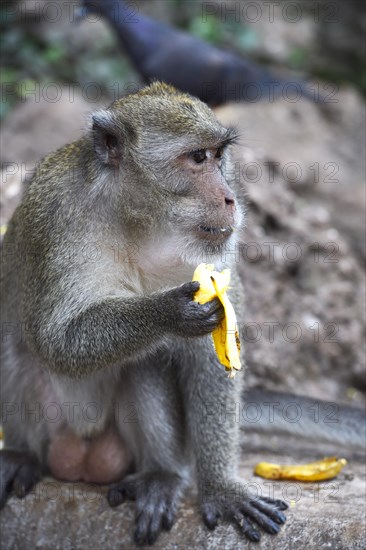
{"x": 328, "y": 468}
{"x": 214, "y": 284}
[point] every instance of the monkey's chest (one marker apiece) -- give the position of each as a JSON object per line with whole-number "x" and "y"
{"x": 154, "y": 273}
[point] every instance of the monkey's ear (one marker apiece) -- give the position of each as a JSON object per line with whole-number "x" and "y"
{"x": 107, "y": 138}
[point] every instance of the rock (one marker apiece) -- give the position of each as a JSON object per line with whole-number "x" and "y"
{"x": 326, "y": 515}
{"x": 303, "y": 254}
{"x": 35, "y": 128}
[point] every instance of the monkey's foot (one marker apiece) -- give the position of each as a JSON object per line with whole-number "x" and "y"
{"x": 19, "y": 472}
{"x": 231, "y": 503}
{"x": 157, "y": 496}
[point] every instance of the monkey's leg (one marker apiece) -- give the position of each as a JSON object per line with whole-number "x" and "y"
{"x": 213, "y": 417}
{"x": 150, "y": 420}
{"x": 19, "y": 471}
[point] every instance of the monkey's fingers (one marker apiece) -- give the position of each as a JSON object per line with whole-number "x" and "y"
{"x": 214, "y": 310}
{"x": 157, "y": 495}
{"x": 261, "y": 518}
{"x": 211, "y": 515}
{"x": 246, "y": 527}
{"x": 168, "y": 519}
{"x": 271, "y": 511}
{"x": 147, "y": 527}
{"x": 280, "y": 504}
{"x": 244, "y": 511}
{"x": 190, "y": 289}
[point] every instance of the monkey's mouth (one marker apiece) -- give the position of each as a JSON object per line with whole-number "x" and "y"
{"x": 216, "y": 232}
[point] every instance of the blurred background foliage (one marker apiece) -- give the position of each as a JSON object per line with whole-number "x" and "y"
{"x": 326, "y": 42}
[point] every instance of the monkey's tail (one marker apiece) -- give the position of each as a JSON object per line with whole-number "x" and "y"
{"x": 313, "y": 419}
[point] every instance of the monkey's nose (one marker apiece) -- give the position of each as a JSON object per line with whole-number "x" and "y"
{"x": 229, "y": 201}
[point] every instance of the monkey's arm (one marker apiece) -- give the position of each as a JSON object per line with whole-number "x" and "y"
{"x": 313, "y": 419}
{"x": 120, "y": 328}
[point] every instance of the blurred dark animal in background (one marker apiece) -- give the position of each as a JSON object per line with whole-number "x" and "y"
{"x": 161, "y": 52}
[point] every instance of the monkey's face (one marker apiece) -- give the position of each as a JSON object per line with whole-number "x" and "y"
{"x": 174, "y": 163}
{"x": 207, "y": 207}
{"x": 190, "y": 170}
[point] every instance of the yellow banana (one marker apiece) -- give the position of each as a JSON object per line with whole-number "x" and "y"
{"x": 328, "y": 468}
{"x": 225, "y": 337}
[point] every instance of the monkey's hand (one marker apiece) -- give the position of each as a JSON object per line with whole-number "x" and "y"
{"x": 226, "y": 336}
{"x": 186, "y": 317}
{"x": 231, "y": 502}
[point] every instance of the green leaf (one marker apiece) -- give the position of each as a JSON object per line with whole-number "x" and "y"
{"x": 209, "y": 30}
{"x": 297, "y": 57}
{"x": 54, "y": 54}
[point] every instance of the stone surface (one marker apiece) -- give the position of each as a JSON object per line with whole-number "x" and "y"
{"x": 34, "y": 129}
{"x": 326, "y": 515}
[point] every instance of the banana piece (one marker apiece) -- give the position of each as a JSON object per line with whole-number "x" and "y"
{"x": 328, "y": 468}
{"x": 226, "y": 336}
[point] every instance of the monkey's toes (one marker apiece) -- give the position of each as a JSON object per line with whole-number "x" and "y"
{"x": 280, "y": 504}
{"x": 154, "y": 518}
{"x": 244, "y": 511}
{"x": 156, "y": 495}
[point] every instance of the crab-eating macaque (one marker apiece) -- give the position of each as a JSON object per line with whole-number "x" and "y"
{"x": 108, "y": 372}
{"x": 98, "y": 310}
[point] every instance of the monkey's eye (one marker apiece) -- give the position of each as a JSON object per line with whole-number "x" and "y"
{"x": 219, "y": 153}
{"x": 199, "y": 155}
